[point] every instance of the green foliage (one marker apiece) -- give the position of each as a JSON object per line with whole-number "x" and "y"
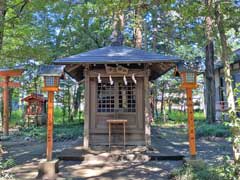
{"x": 179, "y": 116}
{"x": 204, "y": 129}
{"x": 60, "y": 132}
{"x": 5, "y": 164}
{"x": 9, "y": 162}
{"x": 198, "y": 171}
{"x": 16, "y": 118}
{"x": 229, "y": 170}
{"x": 58, "y": 116}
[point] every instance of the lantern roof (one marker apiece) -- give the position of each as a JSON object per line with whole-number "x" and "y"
{"x": 51, "y": 70}
{"x": 195, "y": 66}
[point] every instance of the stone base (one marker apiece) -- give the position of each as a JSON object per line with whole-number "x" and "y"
{"x": 48, "y": 170}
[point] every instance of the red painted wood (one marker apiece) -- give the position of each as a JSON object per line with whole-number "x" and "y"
{"x": 191, "y": 128}
{"x": 12, "y": 72}
{"x": 50, "y": 125}
{"x": 5, "y": 107}
{"x": 10, "y": 84}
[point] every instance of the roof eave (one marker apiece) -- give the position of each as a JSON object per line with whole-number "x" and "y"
{"x": 116, "y": 62}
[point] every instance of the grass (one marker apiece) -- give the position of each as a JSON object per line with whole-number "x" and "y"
{"x": 17, "y": 117}
{"x": 199, "y": 170}
{"x": 179, "y": 116}
{"x": 203, "y": 129}
{"x": 60, "y": 132}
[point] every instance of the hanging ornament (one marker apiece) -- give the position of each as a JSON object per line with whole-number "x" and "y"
{"x": 99, "y": 78}
{"x": 125, "y": 80}
{"x": 134, "y": 79}
{"x": 110, "y": 80}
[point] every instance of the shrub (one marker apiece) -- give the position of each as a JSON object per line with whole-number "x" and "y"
{"x": 204, "y": 129}
{"x": 179, "y": 116}
{"x": 60, "y": 132}
{"x": 16, "y": 118}
{"x": 197, "y": 171}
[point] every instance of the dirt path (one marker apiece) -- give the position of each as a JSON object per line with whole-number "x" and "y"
{"x": 28, "y": 154}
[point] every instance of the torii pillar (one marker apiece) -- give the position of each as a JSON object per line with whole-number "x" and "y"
{"x": 6, "y": 84}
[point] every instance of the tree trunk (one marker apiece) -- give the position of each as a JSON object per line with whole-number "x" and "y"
{"x": 162, "y": 101}
{"x": 2, "y": 20}
{"x": 225, "y": 59}
{"x": 209, "y": 64}
{"x": 228, "y": 81}
{"x": 138, "y": 28}
{"x": 154, "y": 35}
{"x": 155, "y": 107}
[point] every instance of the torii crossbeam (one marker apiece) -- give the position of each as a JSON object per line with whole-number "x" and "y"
{"x": 6, "y": 74}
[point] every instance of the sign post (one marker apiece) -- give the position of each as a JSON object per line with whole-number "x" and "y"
{"x": 51, "y": 75}
{"x": 189, "y": 82}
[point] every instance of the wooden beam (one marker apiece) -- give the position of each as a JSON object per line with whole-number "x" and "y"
{"x": 5, "y": 108}
{"x": 50, "y": 125}
{"x": 191, "y": 128}
{"x": 10, "y": 84}
{"x": 73, "y": 67}
{"x": 50, "y": 89}
{"x": 12, "y": 73}
{"x": 86, "y": 108}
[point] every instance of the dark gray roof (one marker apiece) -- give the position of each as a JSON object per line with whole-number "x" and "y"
{"x": 51, "y": 70}
{"x": 116, "y": 54}
{"x": 236, "y": 59}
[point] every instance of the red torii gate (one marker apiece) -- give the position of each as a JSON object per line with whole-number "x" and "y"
{"x": 6, "y": 74}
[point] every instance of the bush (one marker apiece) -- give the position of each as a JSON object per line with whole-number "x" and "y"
{"x": 16, "y": 118}
{"x": 196, "y": 171}
{"x": 60, "y": 132}
{"x": 179, "y": 116}
{"x": 204, "y": 129}
{"x": 7, "y": 163}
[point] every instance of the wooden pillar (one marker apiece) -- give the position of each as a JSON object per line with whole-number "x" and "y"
{"x": 86, "y": 109}
{"x": 50, "y": 125}
{"x": 5, "y": 107}
{"x": 147, "y": 110}
{"x": 191, "y": 128}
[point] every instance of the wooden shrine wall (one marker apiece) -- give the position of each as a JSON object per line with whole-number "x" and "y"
{"x": 113, "y": 109}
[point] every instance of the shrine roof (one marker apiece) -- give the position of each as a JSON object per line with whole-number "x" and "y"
{"x": 36, "y": 97}
{"x": 116, "y": 54}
